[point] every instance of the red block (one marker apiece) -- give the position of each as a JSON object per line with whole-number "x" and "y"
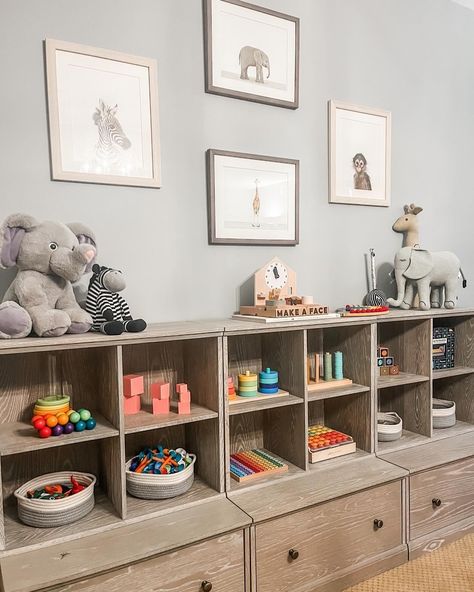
{"x": 160, "y": 390}
{"x": 131, "y": 405}
{"x": 184, "y": 407}
{"x": 181, "y": 387}
{"x": 133, "y": 385}
{"x": 185, "y": 397}
{"x": 161, "y": 406}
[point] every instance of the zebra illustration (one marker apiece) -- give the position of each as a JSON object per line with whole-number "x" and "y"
{"x": 111, "y": 135}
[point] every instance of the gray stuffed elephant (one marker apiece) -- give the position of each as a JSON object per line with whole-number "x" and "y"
{"x": 430, "y": 273}
{"x": 253, "y": 57}
{"x": 49, "y": 256}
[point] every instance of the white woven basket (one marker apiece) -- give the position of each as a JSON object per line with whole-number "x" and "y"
{"x": 389, "y": 426}
{"x": 444, "y": 413}
{"x": 150, "y": 486}
{"x": 50, "y": 513}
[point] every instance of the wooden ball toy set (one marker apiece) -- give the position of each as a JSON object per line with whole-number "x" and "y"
{"x": 254, "y": 464}
{"x": 325, "y": 443}
{"x": 160, "y": 461}
{"x": 386, "y": 362}
{"x": 326, "y": 371}
{"x": 53, "y": 416}
{"x": 134, "y": 387}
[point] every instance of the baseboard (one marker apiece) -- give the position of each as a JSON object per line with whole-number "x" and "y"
{"x": 435, "y": 540}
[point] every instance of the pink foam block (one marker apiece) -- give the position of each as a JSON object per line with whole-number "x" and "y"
{"x": 160, "y": 390}
{"x": 161, "y": 406}
{"x": 184, "y": 407}
{"x": 185, "y": 397}
{"x": 133, "y": 385}
{"x": 131, "y": 405}
{"x": 181, "y": 387}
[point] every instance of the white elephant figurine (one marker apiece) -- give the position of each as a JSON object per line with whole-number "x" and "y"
{"x": 430, "y": 273}
{"x": 256, "y": 58}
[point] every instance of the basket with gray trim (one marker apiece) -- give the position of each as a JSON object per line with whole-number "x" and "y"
{"x": 389, "y": 426}
{"x": 151, "y": 486}
{"x": 444, "y": 413}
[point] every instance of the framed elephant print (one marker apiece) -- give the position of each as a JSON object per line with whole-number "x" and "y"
{"x": 252, "y": 199}
{"x": 103, "y": 115}
{"x": 359, "y": 155}
{"x": 252, "y": 53}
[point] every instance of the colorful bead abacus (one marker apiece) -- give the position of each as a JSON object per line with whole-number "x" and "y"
{"x": 268, "y": 382}
{"x": 252, "y": 464}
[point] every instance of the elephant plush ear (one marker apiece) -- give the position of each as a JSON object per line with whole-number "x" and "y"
{"x": 11, "y": 234}
{"x": 421, "y": 264}
{"x": 85, "y": 236}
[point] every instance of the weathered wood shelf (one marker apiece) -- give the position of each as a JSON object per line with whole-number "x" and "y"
{"x": 250, "y": 406}
{"x": 337, "y": 392}
{"x": 400, "y": 380}
{"x": 145, "y": 420}
{"x": 407, "y": 440}
{"x": 450, "y": 372}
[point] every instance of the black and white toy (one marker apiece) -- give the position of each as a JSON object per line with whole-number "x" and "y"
{"x": 375, "y": 297}
{"x": 109, "y": 311}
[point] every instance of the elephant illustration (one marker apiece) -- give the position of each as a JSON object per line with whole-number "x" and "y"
{"x": 430, "y": 273}
{"x": 252, "y": 57}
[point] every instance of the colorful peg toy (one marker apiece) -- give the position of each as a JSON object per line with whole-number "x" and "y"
{"x": 160, "y": 460}
{"x": 56, "y": 423}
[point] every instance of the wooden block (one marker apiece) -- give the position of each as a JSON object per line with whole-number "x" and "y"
{"x": 383, "y": 352}
{"x": 131, "y": 405}
{"x": 133, "y": 385}
{"x": 389, "y": 361}
{"x": 385, "y": 371}
{"x": 380, "y": 362}
{"x": 161, "y": 406}
{"x": 160, "y": 390}
{"x": 185, "y": 397}
{"x": 181, "y": 387}
{"x": 184, "y": 408}
{"x": 394, "y": 370}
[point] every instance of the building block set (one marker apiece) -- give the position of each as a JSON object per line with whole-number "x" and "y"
{"x": 386, "y": 362}
{"x": 254, "y": 464}
{"x": 325, "y": 443}
{"x": 134, "y": 387}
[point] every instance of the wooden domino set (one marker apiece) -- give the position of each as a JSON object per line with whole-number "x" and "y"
{"x": 324, "y": 443}
{"x": 253, "y": 464}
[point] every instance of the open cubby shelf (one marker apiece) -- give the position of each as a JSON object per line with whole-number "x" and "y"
{"x": 92, "y": 374}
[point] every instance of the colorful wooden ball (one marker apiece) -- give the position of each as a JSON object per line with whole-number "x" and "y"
{"x": 45, "y": 432}
{"x": 90, "y": 423}
{"x": 70, "y": 411}
{"x": 85, "y": 414}
{"x": 57, "y": 430}
{"x": 68, "y": 428}
{"x": 62, "y": 419}
{"x": 39, "y": 423}
{"x": 52, "y": 421}
{"x": 34, "y": 418}
{"x": 80, "y": 426}
{"x": 74, "y": 417}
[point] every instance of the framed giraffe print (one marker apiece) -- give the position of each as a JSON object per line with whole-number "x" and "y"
{"x": 103, "y": 116}
{"x": 252, "y": 199}
{"x": 359, "y": 155}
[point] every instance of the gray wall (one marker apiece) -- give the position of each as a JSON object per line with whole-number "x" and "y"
{"x": 412, "y": 57}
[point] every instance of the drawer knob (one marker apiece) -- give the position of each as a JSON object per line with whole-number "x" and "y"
{"x": 378, "y": 523}
{"x": 206, "y": 586}
{"x": 293, "y": 554}
{"x": 436, "y": 502}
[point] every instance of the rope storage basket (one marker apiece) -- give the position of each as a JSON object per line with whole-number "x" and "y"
{"x": 43, "y": 513}
{"x": 150, "y": 486}
{"x": 444, "y": 413}
{"x": 389, "y": 426}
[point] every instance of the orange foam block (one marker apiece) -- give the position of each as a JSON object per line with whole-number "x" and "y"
{"x": 160, "y": 390}
{"x": 161, "y": 406}
{"x": 133, "y": 385}
{"x": 131, "y": 405}
{"x": 184, "y": 407}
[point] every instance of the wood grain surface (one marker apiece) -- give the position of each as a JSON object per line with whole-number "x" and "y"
{"x": 316, "y": 534}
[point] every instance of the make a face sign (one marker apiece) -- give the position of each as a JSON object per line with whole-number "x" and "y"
{"x": 359, "y": 155}
{"x": 251, "y": 53}
{"x": 276, "y": 275}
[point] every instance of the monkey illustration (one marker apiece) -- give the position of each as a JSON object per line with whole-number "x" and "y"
{"x": 361, "y": 177}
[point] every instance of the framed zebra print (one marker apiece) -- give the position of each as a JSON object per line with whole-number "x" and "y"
{"x": 103, "y": 116}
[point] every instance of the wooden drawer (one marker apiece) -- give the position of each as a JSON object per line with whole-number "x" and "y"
{"x": 452, "y": 486}
{"x": 219, "y": 561}
{"x": 327, "y": 538}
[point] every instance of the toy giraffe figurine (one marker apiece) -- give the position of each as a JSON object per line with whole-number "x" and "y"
{"x": 256, "y": 206}
{"x": 408, "y": 225}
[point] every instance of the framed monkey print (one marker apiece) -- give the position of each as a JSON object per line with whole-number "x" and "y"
{"x": 359, "y": 155}
{"x": 252, "y": 53}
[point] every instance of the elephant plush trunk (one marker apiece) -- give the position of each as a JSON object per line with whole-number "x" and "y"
{"x": 401, "y": 282}
{"x": 268, "y": 68}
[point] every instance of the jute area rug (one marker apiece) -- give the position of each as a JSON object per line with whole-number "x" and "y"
{"x": 449, "y": 569}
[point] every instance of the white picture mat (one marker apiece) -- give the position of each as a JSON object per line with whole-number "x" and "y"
{"x": 235, "y": 191}
{"x": 83, "y": 80}
{"x": 360, "y": 133}
{"x": 234, "y": 27}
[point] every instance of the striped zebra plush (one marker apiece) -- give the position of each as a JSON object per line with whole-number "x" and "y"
{"x": 109, "y": 311}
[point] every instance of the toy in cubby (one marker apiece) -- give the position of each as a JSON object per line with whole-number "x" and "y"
{"x": 443, "y": 347}
{"x": 332, "y": 371}
{"x": 133, "y": 388}
{"x": 53, "y": 416}
{"x": 184, "y": 401}
{"x": 253, "y": 464}
{"x": 231, "y": 392}
{"x": 268, "y": 382}
{"x": 253, "y": 386}
{"x": 160, "y": 393}
{"x": 325, "y": 443}
{"x": 160, "y": 460}
{"x": 386, "y": 362}
{"x": 248, "y": 384}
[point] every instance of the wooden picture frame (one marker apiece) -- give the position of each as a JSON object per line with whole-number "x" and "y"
{"x": 103, "y": 115}
{"x": 359, "y": 154}
{"x": 230, "y": 222}
{"x": 283, "y": 91}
